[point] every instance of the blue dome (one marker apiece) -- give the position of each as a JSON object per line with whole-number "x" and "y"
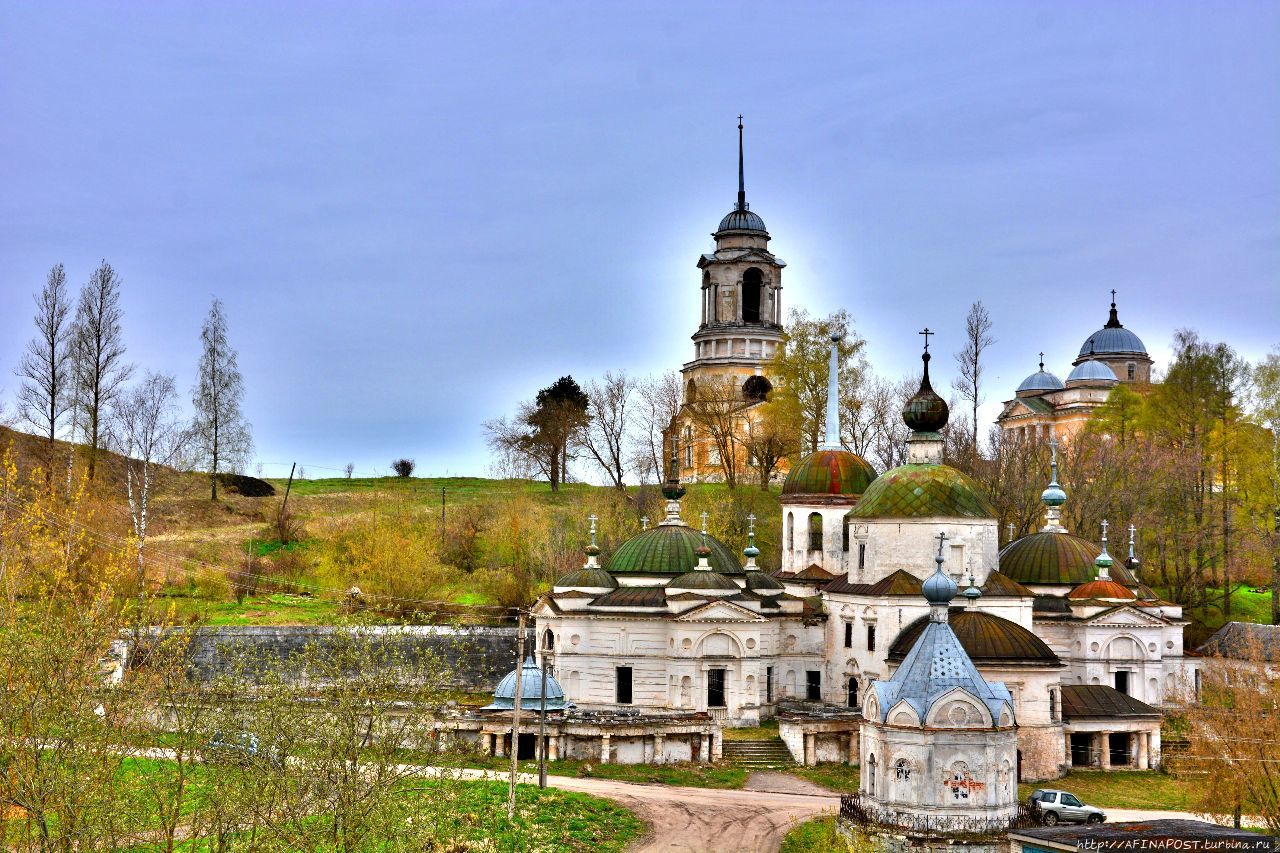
{"x": 741, "y": 220}
{"x": 1091, "y": 370}
{"x": 1041, "y": 380}
{"x": 938, "y": 588}
{"x": 504, "y": 698}
{"x": 1116, "y": 339}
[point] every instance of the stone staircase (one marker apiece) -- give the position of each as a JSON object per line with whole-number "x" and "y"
{"x": 757, "y": 754}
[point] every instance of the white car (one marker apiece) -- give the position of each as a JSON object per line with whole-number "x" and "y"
{"x": 1064, "y": 807}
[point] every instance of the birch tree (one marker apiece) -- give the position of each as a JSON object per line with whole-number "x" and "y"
{"x": 44, "y": 371}
{"x": 606, "y": 436}
{"x": 220, "y": 434}
{"x": 99, "y": 370}
{"x": 978, "y": 337}
{"x": 658, "y": 399}
{"x": 147, "y": 433}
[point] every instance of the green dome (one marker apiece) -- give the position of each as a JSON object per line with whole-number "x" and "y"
{"x": 1049, "y": 558}
{"x": 710, "y": 581}
{"x": 668, "y": 549}
{"x": 829, "y": 472}
{"x": 923, "y": 491}
{"x": 588, "y": 579}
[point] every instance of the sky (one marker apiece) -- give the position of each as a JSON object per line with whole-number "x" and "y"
{"x": 419, "y": 214}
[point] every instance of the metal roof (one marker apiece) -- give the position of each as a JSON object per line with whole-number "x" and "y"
{"x": 1049, "y": 558}
{"x": 1239, "y": 639}
{"x": 702, "y": 580}
{"x": 986, "y": 638}
{"x": 1107, "y": 590}
{"x": 923, "y": 491}
{"x": 588, "y": 578}
{"x": 1083, "y": 701}
{"x": 829, "y": 472}
{"x": 669, "y": 549}
{"x": 999, "y": 584}
{"x": 633, "y": 596}
{"x": 1041, "y": 380}
{"x": 1092, "y": 370}
{"x": 900, "y": 582}
{"x": 1112, "y": 340}
{"x": 530, "y": 690}
{"x": 742, "y": 220}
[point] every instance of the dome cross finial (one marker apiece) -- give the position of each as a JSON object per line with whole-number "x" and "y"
{"x": 1042, "y": 362}
{"x": 644, "y": 523}
{"x": 926, "y": 334}
{"x": 593, "y": 519}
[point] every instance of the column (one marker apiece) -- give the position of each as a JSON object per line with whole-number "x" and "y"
{"x": 810, "y": 751}
{"x": 1070, "y": 760}
{"x": 1143, "y": 756}
{"x": 1104, "y": 754}
{"x": 853, "y": 748}
{"x": 499, "y": 745}
{"x": 702, "y": 747}
{"x": 553, "y": 748}
{"x": 659, "y": 746}
{"x": 604, "y": 749}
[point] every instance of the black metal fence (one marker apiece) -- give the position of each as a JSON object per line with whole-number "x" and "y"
{"x": 863, "y": 813}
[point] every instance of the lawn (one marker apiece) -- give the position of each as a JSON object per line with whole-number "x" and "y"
{"x": 1246, "y": 606}
{"x": 1123, "y": 789}
{"x": 832, "y": 775}
{"x": 814, "y": 836}
{"x": 681, "y": 773}
{"x": 768, "y": 730}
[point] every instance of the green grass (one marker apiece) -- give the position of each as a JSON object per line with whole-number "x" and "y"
{"x": 1123, "y": 789}
{"x": 832, "y": 775}
{"x": 265, "y": 548}
{"x": 271, "y": 609}
{"x": 814, "y": 836}
{"x": 768, "y": 730}
{"x": 427, "y": 489}
{"x": 682, "y": 773}
{"x": 1246, "y": 606}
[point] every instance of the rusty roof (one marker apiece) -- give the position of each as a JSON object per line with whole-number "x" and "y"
{"x": 986, "y": 638}
{"x": 1084, "y": 701}
{"x": 998, "y": 584}
{"x": 1049, "y": 558}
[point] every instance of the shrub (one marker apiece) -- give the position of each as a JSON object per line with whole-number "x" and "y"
{"x": 242, "y": 484}
{"x": 403, "y": 467}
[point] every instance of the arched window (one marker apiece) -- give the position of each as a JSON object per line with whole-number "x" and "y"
{"x": 844, "y": 536}
{"x": 852, "y": 691}
{"x": 548, "y": 641}
{"x": 1053, "y": 705}
{"x": 815, "y": 531}
{"x": 1132, "y": 370}
{"x": 691, "y": 392}
{"x": 902, "y": 770}
{"x": 756, "y": 389}
{"x": 791, "y": 531}
{"x": 751, "y": 287}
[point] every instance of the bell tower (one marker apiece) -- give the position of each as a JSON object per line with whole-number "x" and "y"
{"x": 741, "y": 304}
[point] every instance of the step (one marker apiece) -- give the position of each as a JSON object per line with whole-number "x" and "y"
{"x": 757, "y": 753}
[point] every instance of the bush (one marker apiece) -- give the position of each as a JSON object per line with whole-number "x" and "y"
{"x": 242, "y": 484}
{"x": 403, "y": 467}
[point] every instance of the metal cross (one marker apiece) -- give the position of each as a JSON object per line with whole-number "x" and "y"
{"x": 942, "y": 537}
{"x": 704, "y": 522}
{"x": 644, "y": 522}
{"x": 1104, "y": 531}
{"x": 1053, "y": 449}
{"x": 592, "y": 518}
{"x": 926, "y": 334}
{"x": 1113, "y": 296}
{"x": 1042, "y": 362}
{"x": 1132, "y": 532}
{"x": 1010, "y": 527}
{"x": 751, "y": 522}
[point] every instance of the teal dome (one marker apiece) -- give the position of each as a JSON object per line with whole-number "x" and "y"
{"x": 504, "y": 698}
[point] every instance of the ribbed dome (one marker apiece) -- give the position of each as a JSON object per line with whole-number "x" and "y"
{"x": 530, "y": 690}
{"x": 584, "y": 578}
{"x": 923, "y": 491}
{"x": 668, "y": 549}
{"x": 1041, "y": 380}
{"x": 1110, "y": 340}
{"x": 985, "y": 637}
{"x": 702, "y": 582}
{"x": 1107, "y": 589}
{"x": 925, "y": 411}
{"x": 1049, "y": 558}
{"x": 763, "y": 583}
{"x": 1091, "y": 370}
{"x": 829, "y": 472}
{"x": 742, "y": 220}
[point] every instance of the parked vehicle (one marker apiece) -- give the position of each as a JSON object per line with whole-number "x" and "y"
{"x": 241, "y": 748}
{"x": 1057, "y": 807}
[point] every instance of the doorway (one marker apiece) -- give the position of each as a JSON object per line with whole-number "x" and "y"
{"x": 715, "y": 688}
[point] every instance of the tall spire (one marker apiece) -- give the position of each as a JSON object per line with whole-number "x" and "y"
{"x": 832, "y": 441}
{"x": 1113, "y": 321}
{"x": 742, "y": 185}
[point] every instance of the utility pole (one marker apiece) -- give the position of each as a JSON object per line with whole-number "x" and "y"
{"x": 442, "y": 521}
{"x": 515, "y": 720}
{"x": 542, "y": 727}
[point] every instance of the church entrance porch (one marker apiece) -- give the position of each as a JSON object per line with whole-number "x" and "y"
{"x": 1107, "y": 729}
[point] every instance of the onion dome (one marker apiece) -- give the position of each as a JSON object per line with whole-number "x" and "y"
{"x": 1049, "y": 558}
{"x": 1091, "y": 372}
{"x": 985, "y": 637}
{"x": 704, "y": 583}
{"x": 586, "y": 579}
{"x": 938, "y": 589}
{"x": 670, "y": 549}
{"x": 1112, "y": 339}
{"x": 1107, "y": 590}
{"x": 763, "y": 583}
{"x": 923, "y": 491}
{"x": 504, "y": 698}
{"x": 829, "y": 472}
{"x": 925, "y": 411}
{"x": 1041, "y": 380}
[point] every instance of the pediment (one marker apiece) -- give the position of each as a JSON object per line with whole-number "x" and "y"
{"x": 719, "y": 611}
{"x": 1123, "y": 617}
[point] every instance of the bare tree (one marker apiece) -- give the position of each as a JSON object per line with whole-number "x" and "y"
{"x": 544, "y": 433}
{"x": 45, "y": 368}
{"x": 402, "y": 467}
{"x": 658, "y": 401}
{"x": 221, "y": 434}
{"x": 768, "y": 440}
{"x": 977, "y": 330}
{"x": 350, "y": 469}
{"x": 606, "y": 436}
{"x": 145, "y": 430}
{"x": 716, "y": 416}
{"x": 99, "y": 370}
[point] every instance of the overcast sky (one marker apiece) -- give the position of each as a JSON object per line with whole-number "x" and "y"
{"x": 418, "y": 214}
